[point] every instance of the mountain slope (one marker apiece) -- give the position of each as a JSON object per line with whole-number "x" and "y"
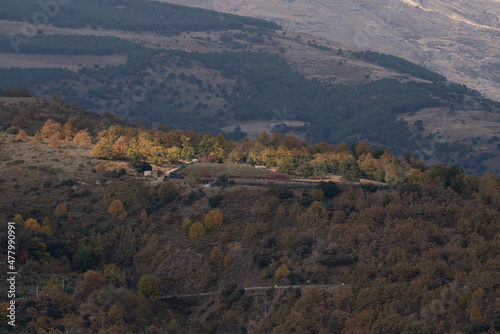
{"x": 112, "y": 250}
{"x": 459, "y": 39}
{"x": 252, "y": 78}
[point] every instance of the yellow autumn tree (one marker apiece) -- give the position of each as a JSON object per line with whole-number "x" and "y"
{"x": 32, "y": 225}
{"x": 173, "y": 154}
{"x": 102, "y": 150}
{"x": 282, "y": 152}
{"x": 18, "y": 219}
{"x": 268, "y": 157}
{"x": 143, "y": 145}
{"x": 21, "y": 135}
{"x": 282, "y": 271}
{"x": 147, "y": 286}
{"x": 51, "y": 128}
{"x": 3, "y": 309}
{"x": 69, "y": 129}
{"x": 475, "y": 313}
{"x": 54, "y": 142}
{"x": 101, "y": 168}
{"x": 61, "y": 209}
{"x": 368, "y": 164}
{"x": 157, "y": 155}
{"x": 82, "y": 137}
{"x": 414, "y": 176}
{"x": 114, "y": 133}
{"x": 46, "y": 230}
{"x": 235, "y": 156}
{"x": 186, "y": 224}
{"x": 38, "y": 139}
{"x": 196, "y": 230}
{"x": 362, "y": 148}
{"x": 213, "y": 219}
{"x": 120, "y": 148}
{"x": 117, "y": 209}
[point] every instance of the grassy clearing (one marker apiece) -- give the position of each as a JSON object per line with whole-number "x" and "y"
{"x": 232, "y": 170}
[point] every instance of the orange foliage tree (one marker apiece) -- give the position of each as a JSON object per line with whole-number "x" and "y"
{"x": 82, "y": 137}
{"x": 117, "y": 209}
{"x": 213, "y": 219}
{"x": 51, "y": 128}
{"x": 38, "y": 139}
{"x": 21, "y": 135}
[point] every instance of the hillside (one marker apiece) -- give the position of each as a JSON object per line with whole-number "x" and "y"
{"x": 458, "y": 39}
{"x": 109, "y": 248}
{"x": 243, "y": 76}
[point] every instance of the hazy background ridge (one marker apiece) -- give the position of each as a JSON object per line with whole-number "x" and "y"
{"x": 459, "y": 39}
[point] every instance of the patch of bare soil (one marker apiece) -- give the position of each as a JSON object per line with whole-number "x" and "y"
{"x": 460, "y": 125}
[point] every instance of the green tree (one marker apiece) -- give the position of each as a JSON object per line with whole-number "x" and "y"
{"x": 187, "y": 149}
{"x": 167, "y": 191}
{"x": 306, "y": 170}
{"x": 317, "y": 195}
{"x": 138, "y": 162}
{"x": 316, "y": 209}
{"x": 192, "y": 180}
{"x": 321, "y": 168}
{"x": 287, "y": 165}
{"x": 349, "y": 170}
{"x": 37, "y": 249}
{"x": 147, "y": 286}
{"x": 206, "y": 146}
{"x": 89, "y": 254}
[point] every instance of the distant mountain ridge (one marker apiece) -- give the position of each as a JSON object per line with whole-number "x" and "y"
{"x": 459, "y": 39}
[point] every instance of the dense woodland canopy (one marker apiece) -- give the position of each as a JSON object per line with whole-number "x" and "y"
{"x": 104, "y": 245}
{"x": 399, "y": 64}
{"x": 130, "y": 15}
